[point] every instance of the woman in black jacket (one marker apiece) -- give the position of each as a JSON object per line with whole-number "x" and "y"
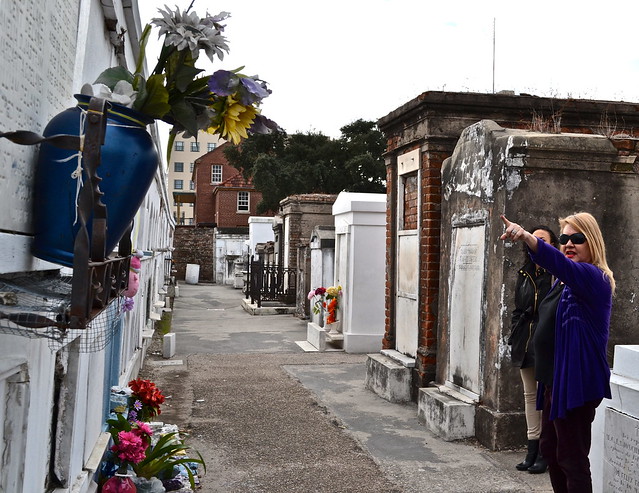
{"x": 533, "y": 283}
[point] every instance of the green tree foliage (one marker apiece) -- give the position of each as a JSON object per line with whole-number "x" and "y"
{"x": 281, "y": 165}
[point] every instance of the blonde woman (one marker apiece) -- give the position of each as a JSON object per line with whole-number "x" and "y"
{"x": 570, "y": 345}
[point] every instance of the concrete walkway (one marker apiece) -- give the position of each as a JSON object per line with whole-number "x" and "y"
{"x": 269, "y": 417}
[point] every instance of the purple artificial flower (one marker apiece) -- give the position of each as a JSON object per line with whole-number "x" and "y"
{"x": 223, "y": 83}
{"x": 137, "y": 405}
{"x": 133, "y": 415}
{"x": 263, "y": 125}
{"x": 252, "y": 90}
{"x": 127, "y": 306}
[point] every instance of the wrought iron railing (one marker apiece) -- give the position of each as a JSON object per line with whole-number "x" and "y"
{"x": 270, "y": 283}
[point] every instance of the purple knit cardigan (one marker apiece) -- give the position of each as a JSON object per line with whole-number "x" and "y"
{"x": 581, "y": 372}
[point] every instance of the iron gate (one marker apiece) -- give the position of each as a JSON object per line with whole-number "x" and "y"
{"x": 270, "y": 282}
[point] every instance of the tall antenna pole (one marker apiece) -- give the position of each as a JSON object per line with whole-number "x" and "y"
{"x": 493, "y": 55}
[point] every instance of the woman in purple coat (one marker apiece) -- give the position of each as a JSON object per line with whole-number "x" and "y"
{"x": 570, "y": 345}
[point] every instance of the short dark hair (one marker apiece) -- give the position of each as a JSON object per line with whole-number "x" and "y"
{"x": 554, "y": 241}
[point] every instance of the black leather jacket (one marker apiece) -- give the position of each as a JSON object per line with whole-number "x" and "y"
{"x": 532, "y": 286}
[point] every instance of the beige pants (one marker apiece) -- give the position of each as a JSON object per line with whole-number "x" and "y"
{"x": 533, "y": 417}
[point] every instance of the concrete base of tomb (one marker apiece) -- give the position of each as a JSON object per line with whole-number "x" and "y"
{"x": 389, "y": 377}
{"x": 447, "y": 413}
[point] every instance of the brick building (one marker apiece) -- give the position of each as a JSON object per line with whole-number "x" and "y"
{"x": 222, "y": 203}
{"x": 223, "y": 197}
{"x": 181, "y": 165}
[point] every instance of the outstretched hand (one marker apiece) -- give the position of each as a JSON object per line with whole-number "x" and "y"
{"x": 515, "y": 232}
{"x": 512, "y": 230}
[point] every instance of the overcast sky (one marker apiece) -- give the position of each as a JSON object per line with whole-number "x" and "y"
{"x": 332, "y": 62}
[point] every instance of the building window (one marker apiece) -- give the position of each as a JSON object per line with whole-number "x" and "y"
{"x": 216, "y": 173}
{"x": 191, "y": 167}
{"x": 191, "y": 185}
{"x": 242, "y": 201}
{"x": 195, "y": 147}
{"x": 179, "y": 145}
{"x": 178, "y": 184}
{"x": 210, "y": 146}
{"x": 178, "y": 167}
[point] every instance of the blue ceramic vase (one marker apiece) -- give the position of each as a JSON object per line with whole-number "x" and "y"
{"x": 129, "y": 160}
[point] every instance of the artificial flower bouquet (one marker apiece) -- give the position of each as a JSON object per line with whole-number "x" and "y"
{"x": 137, "y": 450}
{"x": 145, "y": 400}
{"x": 225, "y": 103}
{"x": 130, "y": 441}
{"x": 326, "y": 298}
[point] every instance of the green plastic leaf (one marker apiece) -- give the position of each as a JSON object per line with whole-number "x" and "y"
{"x": 111, "y": 76}
{"x": 154, "y": 100}
{"x": 162, "y": 458}
{"x": 169, "y": 146}
{"x": 184, "y": 75}
{"x": 185, "y": 115}
{"x": 142, "y": 53}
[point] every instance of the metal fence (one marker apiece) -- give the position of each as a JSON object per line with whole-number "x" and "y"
{"x": 270, "y": 282}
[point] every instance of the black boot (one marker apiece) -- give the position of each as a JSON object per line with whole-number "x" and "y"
{"x": 533, "y": 450}
{"x": 539, "y": 466}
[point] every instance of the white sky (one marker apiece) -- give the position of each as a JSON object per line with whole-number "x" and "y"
{"x": 331, "y": 62}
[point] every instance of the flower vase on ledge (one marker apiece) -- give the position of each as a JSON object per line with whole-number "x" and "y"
{"x": 334, "y": 329}
{"x": 129, "y": 161}
{"x": 120, "y": 483}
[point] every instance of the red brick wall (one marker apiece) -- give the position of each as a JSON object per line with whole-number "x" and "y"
{"x": 305, "y": 211}
{"x": 194, "y": 245}
{"x": 226, "y": 214}
{"x": 410, "y": 202}
{"x": 388, "y": 342}
{"x": 425, "y": 368}
{"x": 217, "y": 203}
{"x": 205, "y": 201}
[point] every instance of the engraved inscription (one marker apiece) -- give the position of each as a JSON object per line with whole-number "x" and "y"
{"x": 465, "y": 309}
{"x": 621, "y": 453}
{"x": 468, "y": 257}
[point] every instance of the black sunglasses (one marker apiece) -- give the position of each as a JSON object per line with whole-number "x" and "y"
{"x": 576, "y": 238}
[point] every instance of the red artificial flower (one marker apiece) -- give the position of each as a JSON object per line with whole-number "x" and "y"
{"x": 332, "y": 311}
{"x": 150, "y": 396}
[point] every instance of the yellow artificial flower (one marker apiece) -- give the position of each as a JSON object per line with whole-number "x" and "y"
{"x": 333, "y": 291}
{"x": 237, "y": 119}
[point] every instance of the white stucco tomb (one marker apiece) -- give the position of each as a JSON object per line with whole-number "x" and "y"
{"x": 360, "y": 249}
{"x": 260, "y": 231}
{"x": 614, "y": 454}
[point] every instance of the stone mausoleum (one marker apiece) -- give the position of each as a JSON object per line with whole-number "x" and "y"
{"x": 424, "y": 132}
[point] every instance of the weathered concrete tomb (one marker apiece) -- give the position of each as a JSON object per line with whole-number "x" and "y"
{"x": 448, "y": 281}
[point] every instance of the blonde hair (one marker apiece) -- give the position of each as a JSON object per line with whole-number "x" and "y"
{"x": 587, "y": 224}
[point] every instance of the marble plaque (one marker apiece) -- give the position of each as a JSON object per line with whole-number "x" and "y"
{"x": 621, "y": 453}
{"x": 465, "y": 306}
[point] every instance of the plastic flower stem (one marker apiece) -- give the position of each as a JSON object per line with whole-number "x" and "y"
{"x": 142, "y": 53}
{"x": 166, "y": 52}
